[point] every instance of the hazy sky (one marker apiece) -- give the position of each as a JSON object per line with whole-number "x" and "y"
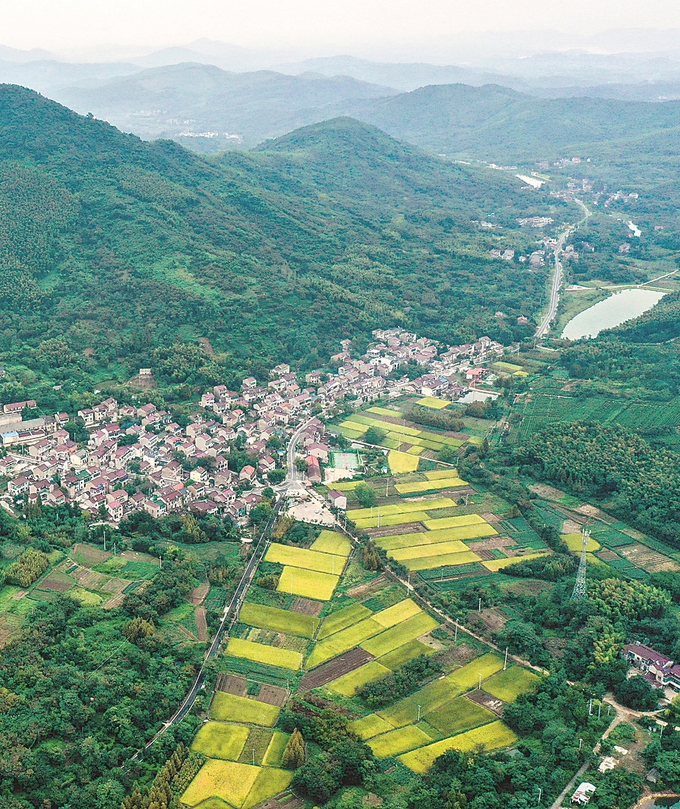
{"x": 317, "y": 23}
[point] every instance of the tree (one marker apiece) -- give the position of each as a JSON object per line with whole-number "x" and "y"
{"x": 365, "y": 495}
{"x": 294, "y": 754}
{"x": 638, "y": 694}
{"x": 276, "y": 475}
{"x": 138, "y": 628}
{"x": 374, "y": 435}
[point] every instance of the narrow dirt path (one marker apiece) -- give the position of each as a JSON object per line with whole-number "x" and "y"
{"x": 201, "y": 625}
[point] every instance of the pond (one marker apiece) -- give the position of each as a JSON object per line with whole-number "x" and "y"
{"x": 617, "y": 309}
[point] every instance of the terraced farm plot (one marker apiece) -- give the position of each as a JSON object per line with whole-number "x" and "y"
{"x": 470, "y": 531}
{"x": 498, "y": 564}
{"x": 342, "y": 641}
{"x": 398, "y": 741}
{"x": 291, "y": 623}
{"x": 220, "y": 740}
{"x": 225, "y": 779}
{"x": 342, "y": 619}
{"x": 402, "y": 462}
{"x": 446, "y": 559}
{"x": 509, "y": 684}
{"x": 231, "y": 708}
{"x": 430, "y": 485}
{"x": 575, "y": 543}
{"x": 303, "y": 558}
{"x": 459, "y": 715}
{"x": 400, "y": 634}
{"x": 350, "y": 683}
{"x": 433, "y": 402}
{"x": 332, "y": 542}
{"x": 409, "y": 651}
{"x": 261, "y": 653}
{"x": 420, "y": 551}
{"x": 269, "y": 782}
{"x": 397, "y": 613}
{"x": 491, "y": 737}
{"x": 307, "y": 583}
{"x": 404, "y": 507}
{"x": 369, "y": 726}
{"x": 467, "y": 676}
{"x": 274, "y": 752}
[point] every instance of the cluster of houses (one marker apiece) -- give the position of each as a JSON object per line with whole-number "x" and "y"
{"x": 138, "y": 458}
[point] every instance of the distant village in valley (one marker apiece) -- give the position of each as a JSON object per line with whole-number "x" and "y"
{"x": 138, "y": 458}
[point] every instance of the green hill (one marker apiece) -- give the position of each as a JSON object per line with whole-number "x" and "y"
{"x": 113, "y": 250}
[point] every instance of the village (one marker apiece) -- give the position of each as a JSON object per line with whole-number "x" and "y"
{"x": 137, "y": 458}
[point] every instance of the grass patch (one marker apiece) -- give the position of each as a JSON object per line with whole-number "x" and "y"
{"x": 85, "y": 597}
{"x": 398, "y": 741}
{"x": 292, "y": 623}
{"x": 261, "y": 653}
{"x": 231, "y": 708}
{"x": 342, "y": 619}
{"x": 303, "y": 558}
{"x": 220, "y": 740}
{"x": 350, "y": 683}
{"x": 307, "y": 583}
{"x": 400, "y": 634}
{"x": 489, "y": 737}
{"x": 509, "y": 684}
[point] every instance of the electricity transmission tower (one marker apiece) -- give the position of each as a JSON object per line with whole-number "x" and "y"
{"x": 579, "y": 590}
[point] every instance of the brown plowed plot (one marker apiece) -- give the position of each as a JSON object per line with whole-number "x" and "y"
{"x": 362, "y": 590}
{"x": 486, "y": 701}
{"x": 286, "y": 801}
{"x": 493, "y": 619}
{"x": 389, "y": 530}
{"x": 232, "y": 684}
{"x": 457, "y": 656}
{"x": 201, "y": 624}
{"x": 199, "y": 593}
{"x": 114, "y": 585}
{"x": 490, "y": 543}
{"x": 272, "y": 695}
{"x": 89, "y": 579}
{"x": 647, "y": 559}
{"x": 114, "y": 602}
{"x": 489, "y": 517}
{"x": 606, "y": 555}
{"x": 485, "y": 554}
{"x": 57, "y": 581}
{"x": 307, "y": 606}
{"x": 335, "y": 668}
{"x": 87, "y": 555}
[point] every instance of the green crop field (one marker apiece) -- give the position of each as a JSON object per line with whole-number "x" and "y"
{"x": 402, "y": 654}
{"x": 498, "y": 564}
{"x": 225, "y": 779}
{"x": 220, "y": 740}
{"x": 398, "y": 741}
{"x": 429, "y": 562}
{"x": 343, "y": 640}
{"x": 231, "y": 708}
{"x": 384, "y": 411}
{"x": 467, "y": 676}
{"x": 405, "y": 507}
{"x": 430, "y": 485}
{"x": 420, "y": 551}
{"x": 459, "y": 715}
{"x": 333, "y": 543}
{"x": 398, "y": 635}
{"x": 397, "y": 613}
{"x": 303, "y": 558}
{"x": 392, "y": 519}
{"x": 394, "y": 541}
{"x": 434, "y": 403}
{"x": 307, "y": 583}
{"x": 342, "y": 619}
{"x": 261, "y": 653}
{"x": 275, "y": 749}
{"x": 349, "y": 684}
{"x": 269, "y": 782}
{"x": 292, "y": 623}
{"x": 430, "y": 697}
{"x": 370, "y": 726}
{"x": 509, "y": 684}
{"x": 489, "y": 737}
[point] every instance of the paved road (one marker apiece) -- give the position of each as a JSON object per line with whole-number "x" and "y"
{"x": 231, "y": 610}
{"x": 558, "y": 273}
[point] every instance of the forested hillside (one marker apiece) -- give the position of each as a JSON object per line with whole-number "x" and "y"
{"x": 118, "y": 253}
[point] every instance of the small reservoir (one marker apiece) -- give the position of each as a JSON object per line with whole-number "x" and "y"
{"x": 615, "y": 310}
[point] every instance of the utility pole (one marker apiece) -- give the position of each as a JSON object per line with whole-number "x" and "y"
{"x": 540, "y": 793}
{"x": 418, "y": 714}
{"x": 455, "y": 635}
{"x": 580, "y": 589}
{"x": 479, "y": 606}
{"x": 505, "y": 664}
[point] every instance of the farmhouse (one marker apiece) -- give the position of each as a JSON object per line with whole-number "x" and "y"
{"x": 655, "y": 667}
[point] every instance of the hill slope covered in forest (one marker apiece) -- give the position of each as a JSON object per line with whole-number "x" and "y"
{"x": 114, "y": 250}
